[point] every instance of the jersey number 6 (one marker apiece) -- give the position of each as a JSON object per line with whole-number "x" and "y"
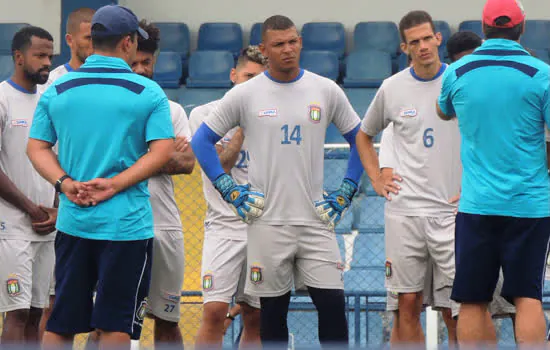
{"x": 428, "y": 138}
{"x": 295, "y": 135}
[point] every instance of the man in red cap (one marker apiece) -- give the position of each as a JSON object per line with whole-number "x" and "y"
{"x": 499, "y": 94}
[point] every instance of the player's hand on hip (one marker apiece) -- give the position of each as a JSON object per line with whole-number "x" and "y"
{"x": 333, "y": 206}
{"x": 100, "y": 190}
{"x": 181, "y": 144}
{"x": 48, "y": 226}
{"x": 386, "y": 183}
{"x": 246, "y": 204}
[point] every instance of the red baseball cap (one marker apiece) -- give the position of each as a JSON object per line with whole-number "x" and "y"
{"x": 503, "y": 8}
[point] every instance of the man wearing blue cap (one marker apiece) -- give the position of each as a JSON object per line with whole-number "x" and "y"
{"x": 114, "y": 131}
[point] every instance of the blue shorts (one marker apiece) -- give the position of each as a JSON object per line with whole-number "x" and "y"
{"x": 485, "y": 243}
{"x": 121, "y": 271}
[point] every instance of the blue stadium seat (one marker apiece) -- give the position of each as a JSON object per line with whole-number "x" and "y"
{"x": 324, "y": 36}
{"x": 537, "y": 34}
{"x": 367, "y": 69}
{"x": 542, "y": 54}
{"x": 472, "y": 26}
{"x": 402, "y": 62}
{"x": 256, "y": 34}
{"x": 210, "y": 69}
{"x": 360, "y": 99}
{"x": 168, "y": 70}
{"x": 368, "y": 214}
{"x": 368, "y": 250}
{"x": 369, "y": 279}
{"x": 221, "y": 36}
{"x": 175, "y": 37}
{"x": 324, "y": 63}
{"x": 382, "y": 36}
{"x": 445, "y": 30}
{"x": 6, "y": 67}
{"x": 7, "y": 31}
{"x": 191, "y": 98}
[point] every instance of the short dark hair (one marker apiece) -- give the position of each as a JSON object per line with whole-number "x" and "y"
{"x": 277, "y": 22}
{"x": 251, "y": 54}
{"x": 107, "y": 42}
{"x": 462, "y": 41}
{"x": 503, "y": 33}
{"x": 81, "y": 15}
{"x": 23, "y": 38}
{"x": 413, "y": 19}
{"x": 150, "y": 45}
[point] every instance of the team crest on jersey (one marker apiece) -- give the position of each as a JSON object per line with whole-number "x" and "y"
{"x": 13, "y": 285}
{"x": 20, "y": 122}
{"x": 388, "y": 269}
{"x": 394, "y": 295}
{"x": 267, "y": 113}
{"x": 314, "y": 112}
{"x": 207, "y": 282}
{"x": 256, "y": 276}
{"x": 142, "y": 310}
{"x": 408, "y": 112}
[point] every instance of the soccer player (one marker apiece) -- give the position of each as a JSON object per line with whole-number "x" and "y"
{"x": 284, "y": 114}
{"x": 224, "y": 247}
{"x": 499, "y": 94}
{"x": 79, "y": 40}
{"x": 419, "y": 220}
{"x": 168, "y": 255}
{"x": 27, "y": 216}
{"x": 114, "y": 131}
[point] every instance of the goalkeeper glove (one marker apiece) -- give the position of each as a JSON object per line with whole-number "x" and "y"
{"x": 245, "y": 203}
{"x": 334, "y": 205}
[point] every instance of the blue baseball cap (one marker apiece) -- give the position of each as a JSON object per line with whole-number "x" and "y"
{"x": 117, "y": 20}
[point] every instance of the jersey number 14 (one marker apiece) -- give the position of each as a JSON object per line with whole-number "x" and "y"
{"x": 295, "y": 135}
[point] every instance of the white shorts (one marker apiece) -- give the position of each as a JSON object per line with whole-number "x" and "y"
{"x": 26, "y": 268}
{"x": 224, "y": 271}
{"x": 278, "y": 254}
{"x": 166, "y": 275}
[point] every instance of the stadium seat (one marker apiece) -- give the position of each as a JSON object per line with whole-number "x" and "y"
{"x": 402, "y": 62}
{"x": 368, "y": 250}
{"x": 210, "y": 69}
{"x": 168, "y": 70}
{"x": 382, "y": 36}
{"x": 445, "y": 30}
{"x": 7, "y": 31}
{"x": 541, "y": 54}
{"x": 472, "y": 26}
{"x": 537, "y": 34}
{"x": 191, "y": 98}
{"x": 368, "y": 214}
{"x": 256, "y": 34}
{"x": 367, "y": 69}
{"x": 360, "y": 99}
{"x": 324, "y": 36}
{"x": 221, "y": 36}
{"x": 175, "y": 37}
{"x": 324, "y": 63}
{"x": 6, "y": 67}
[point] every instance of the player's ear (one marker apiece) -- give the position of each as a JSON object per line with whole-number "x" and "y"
{"x": 261, "y": 46}
{"x": 69, "y": 39}
{"x": 439, "y": 38}
{"x": 233, "y": 75}
{"x": 18, "y": 58}
{"x": 404, "y": 48}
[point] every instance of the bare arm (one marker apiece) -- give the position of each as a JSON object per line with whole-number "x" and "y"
{"x": 229, "y": 155}
{"x": 368, "y": 156}
{"x": 11, "y": 194}
{"x": 440, "y": 113}
{"x": 44, "y": 160}
{"x": 180, "y": 163}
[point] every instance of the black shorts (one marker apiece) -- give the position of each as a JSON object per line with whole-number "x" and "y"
{"x": 485, "y": 243}
{"x": 121, "y": 270}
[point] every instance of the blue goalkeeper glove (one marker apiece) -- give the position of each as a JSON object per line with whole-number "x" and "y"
{"x": 245, "y": 203}
{"x": 333, "y": 206}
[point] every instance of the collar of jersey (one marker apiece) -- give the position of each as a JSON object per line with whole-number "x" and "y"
{"x": 439, "y": 73}
{"x": 501, "y": 44}
{"x": 98, "y": 61}
{"x": 20, "y": 88}
{"x": 301, "y": 74}
{"x": 68, "y": 67}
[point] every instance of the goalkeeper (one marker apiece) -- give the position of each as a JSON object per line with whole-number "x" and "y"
{"x": 284, "y": 114}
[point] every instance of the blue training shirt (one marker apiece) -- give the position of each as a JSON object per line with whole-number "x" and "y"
{"x": 500, "y": 96}
{"x": 103, "y": 116}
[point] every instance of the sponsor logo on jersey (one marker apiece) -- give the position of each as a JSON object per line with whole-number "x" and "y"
{"x": 20, "y": 122}
{"x": 256, "y": 276}
{"x": 408, "y": 112}
{"x": 13, "y": 285}
{"x": 268, "y": 113}
{"x": 314, "y": 112}
{"x": 141, "y": 311}
{"x": 388, "y": 269}
{"x": 207, "y": 282}
{"x": 173, "y": 297}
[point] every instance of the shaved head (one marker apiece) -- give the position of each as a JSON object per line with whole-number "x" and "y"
{"x": 82, "y": 15}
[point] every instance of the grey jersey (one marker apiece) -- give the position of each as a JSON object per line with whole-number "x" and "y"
{"x": 285, "y": 126}
{"x": 220, "y": 219}
{"x": 16, "y": 116}
{"x": 386, "y": 156}
{"x": 166, "y": 215}
{"x": 57, "y": 73}
{"x": 426, "y": 149}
